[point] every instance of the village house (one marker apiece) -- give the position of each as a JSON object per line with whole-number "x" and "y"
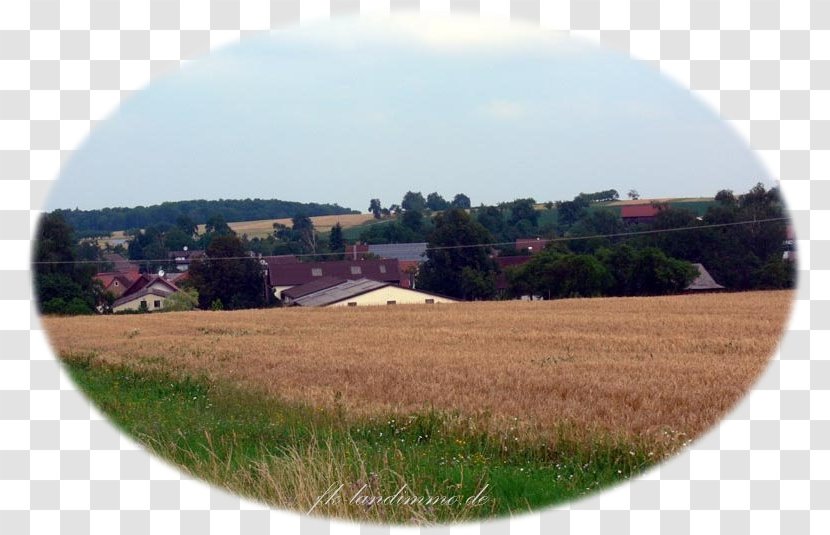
{"x": 117, "y": 282}
{"x": 151, "y": 290}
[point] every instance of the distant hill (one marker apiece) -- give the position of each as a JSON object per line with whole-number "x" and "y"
{"x": 108, "y": 220}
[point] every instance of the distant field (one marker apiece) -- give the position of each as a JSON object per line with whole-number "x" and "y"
{"x": 323, "y": 223}
{"x": 542, "y": 400}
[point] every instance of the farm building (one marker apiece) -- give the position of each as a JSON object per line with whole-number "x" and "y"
{"x": 640, "y": 213}
{"x": 366, "y": 292}
{"x": 152, "y": 290}
{"x": 409, "y": 255}
{"x": 283, "y": 276}
{"x": 704, "y": 282}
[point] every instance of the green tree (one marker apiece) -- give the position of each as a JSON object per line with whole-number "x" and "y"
{"x": 413, "y": 200}
{"x": 186, "y": 225}
{"x": 66, "y": 286}
{"x": 336, "y": 242}
{"x": 436, "y": 202}
{"x": 492, "y": 219}
{"x": 569, "y": 212}
{"x": 303, "y": 230}
{"x": 413, "y": 220}
{"x": 523, "y": 210}
{"x": 375, "y": 208}
{"x": 450, "y": 254}
{"x": 654, "y": 273}
{"x": 217, "y": 226}
{"x": 228, "y": 276}
{"x": 461, "y": 201}
{"x": 554, "y": 274}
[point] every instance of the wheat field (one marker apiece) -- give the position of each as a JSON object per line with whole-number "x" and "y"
{"x": 323, "y": 223}
{"x": 640, "y": 367}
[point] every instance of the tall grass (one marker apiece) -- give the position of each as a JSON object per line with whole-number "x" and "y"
{"x": 289, "y": 455}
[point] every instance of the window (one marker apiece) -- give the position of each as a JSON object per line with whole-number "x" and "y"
{"x": 382, "y": 268}
{"x": 390, "y": 302}
{"x": 156, "y": 304}
{"x": 116, "y": 283}
{"x": 429, "y": 301}
{"x": 352, "y": 304}
{"x": 316, "y": 272}
{"x": 356, "y": 270}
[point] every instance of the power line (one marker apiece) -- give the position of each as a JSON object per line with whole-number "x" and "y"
{"x": 447, "y": 247}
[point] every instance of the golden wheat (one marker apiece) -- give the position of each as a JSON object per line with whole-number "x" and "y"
{"x": 639, "y": 367}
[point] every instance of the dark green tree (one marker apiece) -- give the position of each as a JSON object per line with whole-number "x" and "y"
{"x": 449, "y": 255}
{"x": 186, "y": 224}
{"x": 228, "y": 276}
{"x": 436, "y": 202}
{"x": 413, "y": 200}
{"x": 217, "y": 226}
{"x": 375, "y": 208}
{"x": 336, "y": 242}
{"x": 569, "y": 212}
{"x": 523, "y": 210}
{"x": 62, "y": 286}
{"x": 461, "y": 201}
{"x": 303, "y": 231}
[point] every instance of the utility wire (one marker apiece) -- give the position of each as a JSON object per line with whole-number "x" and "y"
{"x": 446, "y": 247}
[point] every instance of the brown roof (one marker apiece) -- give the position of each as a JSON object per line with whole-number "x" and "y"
{"x": 121, "y": 264}
{"x": 296, "y": 292}
{"x": 143, "y": 286}
{"x": 640, "y": 210}
{"x": 704, "y": 281}
{"x": 281, "y": 274}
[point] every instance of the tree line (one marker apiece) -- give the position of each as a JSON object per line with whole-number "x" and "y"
{"x": 105, "y": 220}
{"x": 584, "y": 259}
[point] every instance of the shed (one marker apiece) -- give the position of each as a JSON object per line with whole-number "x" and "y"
{"x": 704, "y": 282}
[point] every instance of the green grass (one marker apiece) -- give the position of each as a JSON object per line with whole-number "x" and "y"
{"x": 287, "y": 454}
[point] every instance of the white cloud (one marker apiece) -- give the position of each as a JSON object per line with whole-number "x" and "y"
{"x": 445, "y": 33}
{"x": 507, "y": 110}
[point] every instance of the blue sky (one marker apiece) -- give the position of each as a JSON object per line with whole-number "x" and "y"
{"x": 350, "y": 110}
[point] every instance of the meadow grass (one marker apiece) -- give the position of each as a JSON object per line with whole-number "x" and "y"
{"x": 288, "y": 454}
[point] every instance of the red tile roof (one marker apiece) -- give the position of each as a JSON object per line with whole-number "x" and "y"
{"x": 639, "y": 210}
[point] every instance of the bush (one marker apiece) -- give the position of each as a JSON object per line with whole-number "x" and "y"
{"x": 184, "y": 299}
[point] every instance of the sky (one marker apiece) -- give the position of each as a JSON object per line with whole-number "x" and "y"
{"x": 345, "y": 111}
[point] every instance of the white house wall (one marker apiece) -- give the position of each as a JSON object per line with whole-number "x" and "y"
{"x": 401, "y": 296}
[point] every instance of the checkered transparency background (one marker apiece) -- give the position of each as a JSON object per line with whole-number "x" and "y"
{"x": 765, "y": 65}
